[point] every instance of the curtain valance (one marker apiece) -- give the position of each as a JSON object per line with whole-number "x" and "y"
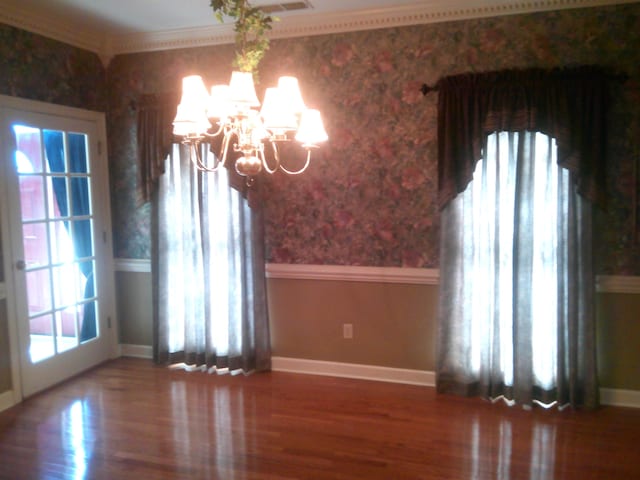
{"x": 155, "y": 113}
{"x": 568, "y": 104}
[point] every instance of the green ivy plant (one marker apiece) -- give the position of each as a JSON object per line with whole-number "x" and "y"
{"x": 251, "y": 27}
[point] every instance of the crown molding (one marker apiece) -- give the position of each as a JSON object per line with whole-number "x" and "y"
{"x": 107, "y": 46}
{"x": 27, "y": 19}
{"x": 342, "y": 22}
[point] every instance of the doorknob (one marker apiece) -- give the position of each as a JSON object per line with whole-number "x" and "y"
{"x": 20, "y": 265}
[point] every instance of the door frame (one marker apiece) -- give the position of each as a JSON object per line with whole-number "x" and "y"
{"x": 101, "y": 191}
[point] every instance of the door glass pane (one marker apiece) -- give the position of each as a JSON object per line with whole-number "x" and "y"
{"x": 77, "y": 153}
{"x": 57, "y": 222}
{"x": 54, "y": 151}
{"x": 29, "y": 149}
{"x": 88, "y": 313}
{"x": 57, "y": 196}
{"x": 32, "y": 192}
{"x": 81, "y": 203}
{"x": 38, "y": 291}
{"x": 85, "y": 287}
{"x": 35, "y": 244}
{"x": 66, "y": 329}
{"x": 61, "y": 247}
{"x": 66, "y": 288}
{"x": 83, "y": 241}
{"x": 41, "y": 336}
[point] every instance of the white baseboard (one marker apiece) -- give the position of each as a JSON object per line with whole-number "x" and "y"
{"x": 353, "y": 370}
{"x": 138, "y": 351}
{"x": 6, "y": 400}
{"x": 608, "y": 396}
{"x": 620, "y": 398}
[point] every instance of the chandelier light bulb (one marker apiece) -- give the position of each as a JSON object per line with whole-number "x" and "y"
{"x": 242, "y": 91}
{"x": 275, "y": 114}
{"x": 218, "y": 105}
{"x": 311, "y": 130}
{"x": 291, "y": 95}
{"x": 191, "y": 119}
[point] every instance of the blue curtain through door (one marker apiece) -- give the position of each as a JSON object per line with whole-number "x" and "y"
{"x": 80, "y": 201}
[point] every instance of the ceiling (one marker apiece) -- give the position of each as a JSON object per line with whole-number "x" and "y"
{"x": 111, "y": 27}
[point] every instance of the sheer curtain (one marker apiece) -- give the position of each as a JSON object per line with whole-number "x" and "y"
{"x": 521, "y": 161}
{"x": 517, "y": 280}
{"x": 208, "y": 272}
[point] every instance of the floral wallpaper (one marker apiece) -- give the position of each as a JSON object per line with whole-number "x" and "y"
{"x": 38, "y": 68}
{"x": 369, "y": 196}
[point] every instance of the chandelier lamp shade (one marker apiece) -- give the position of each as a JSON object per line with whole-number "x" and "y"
{"x": 232, "y": 113}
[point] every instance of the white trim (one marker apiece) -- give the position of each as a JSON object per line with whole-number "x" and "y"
{"x": 353, "y": 370}
{"x": 138, "y": 351}
{"x": 7, "y": 400}
{"x": 302, "y": 25}
{"x": 620, "y": 398}
{"x": 347, "y": 273}
{"x": 618, "y": 284}
{"x": 293, "y": 25}
{"x": 608, "y": 396}
{"x": 26, "y": 18}
{"x": 420, "y": 276}
{"x": 24, "y": 377}
{"x": 132, "y": 265}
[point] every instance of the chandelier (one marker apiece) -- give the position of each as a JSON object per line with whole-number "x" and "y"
{"x": 232, "y": 113}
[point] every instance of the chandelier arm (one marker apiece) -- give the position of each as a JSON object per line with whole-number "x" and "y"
{"x": 298, "y": 172}
{"x": 212, "y": 135}
{"x": 224, "y": 149}
{"x": 196, "y": 159}
{"x": 276, "y": 155}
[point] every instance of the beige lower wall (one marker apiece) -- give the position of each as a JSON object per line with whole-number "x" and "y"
{"x": 394, "y": 325}
{"x": 618, "y": 331}
{"x": 134, "y": 307}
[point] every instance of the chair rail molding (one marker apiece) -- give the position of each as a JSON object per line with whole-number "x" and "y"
{"x": 353, "y": 273}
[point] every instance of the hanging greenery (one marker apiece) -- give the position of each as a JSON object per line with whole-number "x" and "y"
{"x": 251, "y": 27}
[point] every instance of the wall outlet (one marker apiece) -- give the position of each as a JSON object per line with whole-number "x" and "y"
{"x": 347, "y": 330}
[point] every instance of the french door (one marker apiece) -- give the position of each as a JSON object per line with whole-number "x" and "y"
{"x": 57, "y": 217}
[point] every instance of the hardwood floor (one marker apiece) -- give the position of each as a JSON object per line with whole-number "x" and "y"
{"x": 131, "y": 419}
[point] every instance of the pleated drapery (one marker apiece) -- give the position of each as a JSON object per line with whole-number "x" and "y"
{"x": 516, "y": 311}
{"x": 210, "y": 307}
{"x": 208, "y": 268}
{"x": 516, "y": 281}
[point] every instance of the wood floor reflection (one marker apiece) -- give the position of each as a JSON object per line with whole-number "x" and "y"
{"x": 131, "y": 419}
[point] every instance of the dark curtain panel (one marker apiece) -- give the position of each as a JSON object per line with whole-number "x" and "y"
{"x": 513, "y": 265}
{"x": 566, "y": 104}
{"x": 155, "y": 114}
{"x": 208, "y": 272}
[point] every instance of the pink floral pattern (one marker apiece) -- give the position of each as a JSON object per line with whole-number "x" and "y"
{"x": 369, "y": 196}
